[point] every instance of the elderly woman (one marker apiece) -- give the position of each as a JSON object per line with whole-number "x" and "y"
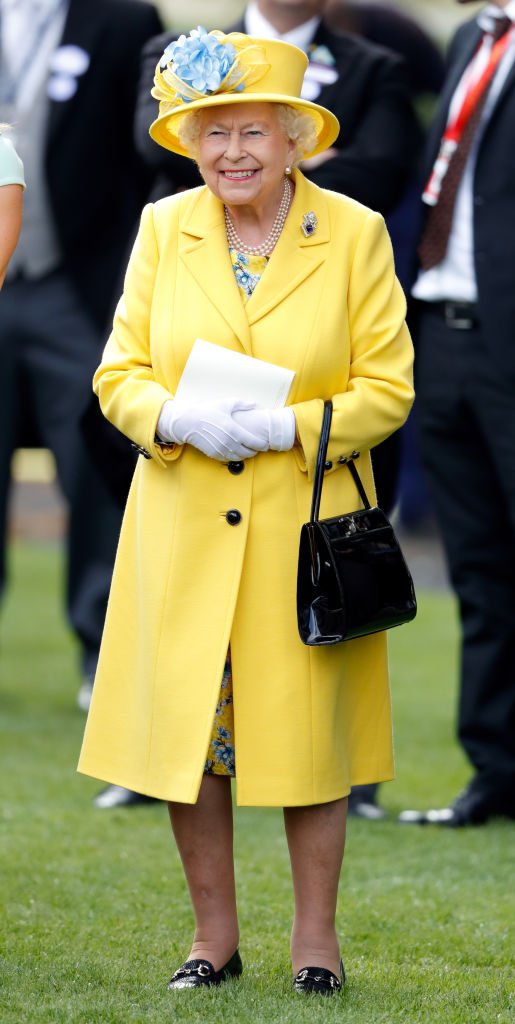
{"x": 202, "y": 674}
{"x": 12, "y": 183}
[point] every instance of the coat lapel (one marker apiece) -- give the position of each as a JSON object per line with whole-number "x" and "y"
{"x": 203, "y": 249}
{"x": 296, "y": 256}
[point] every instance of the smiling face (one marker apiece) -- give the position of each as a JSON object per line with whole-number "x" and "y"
{"x": 243, "y": 152}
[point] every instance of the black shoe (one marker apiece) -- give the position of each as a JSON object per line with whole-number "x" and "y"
{"x": 118, "y": 796}
{"x": 366, "y": 809}
{"x": 199, "y": 973}
{"x": 319, "y": 981}
{"x": 85, "y": 693}
{"x": 363, "y": 803}
{"x": 474, "y": 806}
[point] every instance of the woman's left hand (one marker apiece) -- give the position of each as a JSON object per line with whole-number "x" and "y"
{"x": 275, "y": 427}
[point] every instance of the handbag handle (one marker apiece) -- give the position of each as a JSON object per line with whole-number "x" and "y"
{"x": 320, "y": 466}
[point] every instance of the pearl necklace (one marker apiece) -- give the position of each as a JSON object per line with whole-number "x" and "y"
{"x": 271, "y": 240}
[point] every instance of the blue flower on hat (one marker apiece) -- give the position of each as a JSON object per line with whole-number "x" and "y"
{"x": 200, "y": 60}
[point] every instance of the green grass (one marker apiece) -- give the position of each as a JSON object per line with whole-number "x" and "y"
{"x": 95, "y": 913}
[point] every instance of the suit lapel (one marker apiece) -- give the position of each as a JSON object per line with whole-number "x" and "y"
{"x": 203, "y": 250}
{"x": 330, "y": 95}
{"x": 81, "y": 28}
{"x": 505, "y": 91}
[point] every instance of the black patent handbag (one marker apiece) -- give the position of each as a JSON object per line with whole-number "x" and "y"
{"x": 352, "y": 577}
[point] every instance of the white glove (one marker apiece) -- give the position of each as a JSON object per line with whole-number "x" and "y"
{"x": 210, "y": 428}
{"x": 275, "y": 427}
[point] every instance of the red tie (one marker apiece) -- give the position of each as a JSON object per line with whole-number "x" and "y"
{"x": 435, "y": 237}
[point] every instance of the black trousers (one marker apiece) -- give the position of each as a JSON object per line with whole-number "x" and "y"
{"x": 466, "y": 416}
{"x": 49, "y": 350}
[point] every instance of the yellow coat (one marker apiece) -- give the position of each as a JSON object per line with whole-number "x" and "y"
{"x": 309, "y": 723}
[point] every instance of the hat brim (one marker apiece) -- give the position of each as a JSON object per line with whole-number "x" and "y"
{"x": 164, "y": 129}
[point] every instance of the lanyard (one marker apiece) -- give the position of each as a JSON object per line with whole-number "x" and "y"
{"x": 456, "y": 126}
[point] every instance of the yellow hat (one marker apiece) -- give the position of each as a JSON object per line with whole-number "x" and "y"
{"x": 208, "y": 69}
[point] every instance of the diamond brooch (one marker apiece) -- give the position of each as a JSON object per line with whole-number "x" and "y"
{"x": 309, "y": 224}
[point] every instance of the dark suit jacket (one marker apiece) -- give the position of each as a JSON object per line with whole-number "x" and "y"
{"x": 97, "y": 182}
{"x": 494, "y": 202}
{"x": 379, "y": 135}
{"x": 387, "y": 26}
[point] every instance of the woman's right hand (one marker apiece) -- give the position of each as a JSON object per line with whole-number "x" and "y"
{"x": 210, "y": 428}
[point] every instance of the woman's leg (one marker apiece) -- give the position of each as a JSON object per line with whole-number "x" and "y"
{"x": 204, "y": 836}
{"x": 316, "y": 841}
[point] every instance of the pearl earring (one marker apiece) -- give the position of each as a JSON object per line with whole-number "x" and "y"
{"x": 287, "y": 170}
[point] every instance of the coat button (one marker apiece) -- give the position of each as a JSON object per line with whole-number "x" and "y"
{"x": 233, "y": 517}
{"x": 236, "y": 467}
{"x": 328, "y": 465}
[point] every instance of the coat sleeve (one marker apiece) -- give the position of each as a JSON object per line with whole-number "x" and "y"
{"x": 380, "y": 389}
{"x": 128, "y": 393}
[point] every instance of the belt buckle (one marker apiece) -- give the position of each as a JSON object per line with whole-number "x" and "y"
{"x": 459, "y": 316}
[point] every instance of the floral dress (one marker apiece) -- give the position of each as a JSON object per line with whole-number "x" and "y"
{"x": 248, "y": 271}
{"x": 220, "y": 758}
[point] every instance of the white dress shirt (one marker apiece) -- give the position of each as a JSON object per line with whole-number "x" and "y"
{"x": 455, "y": 277}
{"x": 257, "y": 25}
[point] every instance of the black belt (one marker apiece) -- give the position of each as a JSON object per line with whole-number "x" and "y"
{"x": 462, "y": 316}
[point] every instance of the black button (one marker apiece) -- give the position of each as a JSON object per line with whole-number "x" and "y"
{"x": 328, "y": 465}
{"x": 233, "y": 517}
{"x": 236, "y": 467}
{"x": 342, "y": 460}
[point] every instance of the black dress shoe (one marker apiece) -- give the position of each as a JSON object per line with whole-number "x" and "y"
{"x": 363, "y": 803}
{"x": 118, "y": 796}
{"x": 201, "y": 973}
{"x": 474, "y": 806}
{"x": 319, "y": 981}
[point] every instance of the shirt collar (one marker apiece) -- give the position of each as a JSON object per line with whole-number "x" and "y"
{"x": 491, "y": 13}
{"x": 301, "y": 36}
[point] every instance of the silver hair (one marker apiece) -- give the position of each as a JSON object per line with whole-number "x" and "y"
{"x": 297, "y": 126}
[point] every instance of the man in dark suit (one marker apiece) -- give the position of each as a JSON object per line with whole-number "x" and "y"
{"x": 464, "y": 325}
{"x": 68, "y": 85}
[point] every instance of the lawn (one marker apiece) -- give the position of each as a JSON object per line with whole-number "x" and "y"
{"x": 94, "y": 909}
